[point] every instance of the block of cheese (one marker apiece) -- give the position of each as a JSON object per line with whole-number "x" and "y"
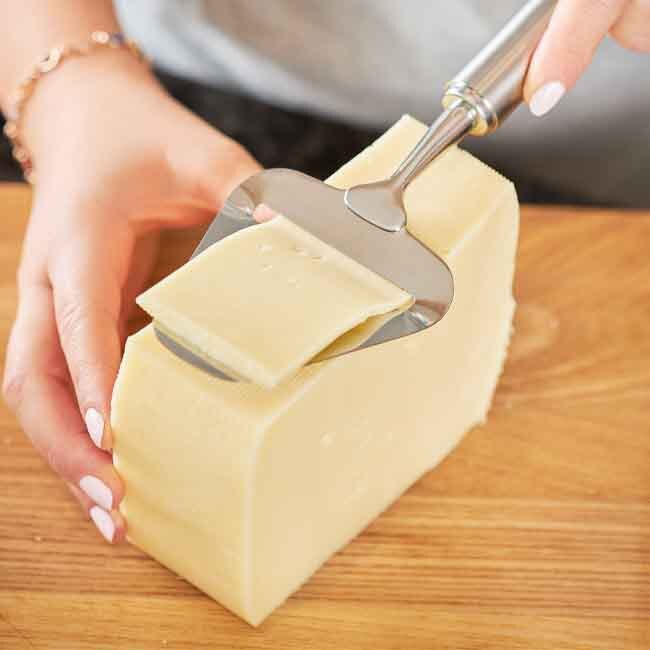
{"x": 246, "y": 491}
{"x": 256, "y": 305}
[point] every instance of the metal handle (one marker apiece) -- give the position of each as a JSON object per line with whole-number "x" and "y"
{"x": 484, "y": 93}
{"x": 449, "y": 129}
{"x": 476, "y": 101}
{"x": 492, "y": 83}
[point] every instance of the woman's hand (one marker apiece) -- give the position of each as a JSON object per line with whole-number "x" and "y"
{"x": 575, "y": 31}
{"x": 116, "y": 160}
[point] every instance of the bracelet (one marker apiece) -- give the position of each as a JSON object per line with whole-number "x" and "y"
{"x": 57, "y": 55}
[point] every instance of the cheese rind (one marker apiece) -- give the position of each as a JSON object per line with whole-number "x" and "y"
{"x": 262, "y": 302}
{"x": 246, "y": 491}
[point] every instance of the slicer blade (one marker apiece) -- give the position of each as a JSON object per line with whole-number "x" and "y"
{"x": 320, "y": 210}
{"x": 367, "y": 222}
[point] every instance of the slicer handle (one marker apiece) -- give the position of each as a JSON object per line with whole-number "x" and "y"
{"x": 492, "y": 82}
{"x": 477, "y": 100}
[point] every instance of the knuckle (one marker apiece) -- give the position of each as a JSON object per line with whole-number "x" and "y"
{"x": 71, "y": 316}
{"x": 13, "y": 385}
{"x": 635, "y": 40}
{"x": 84, "y": 373}
{"x": 68, "y": 458}
{"x": 578, "y": 51}
{"x": 23, "y": 275}
{"x": 30, "y": 272}
{"x": 76, "y": 322}
{"x": 76, "y": 314}
{"x": 56, "y": 459}
{"x": 604, "y": 5}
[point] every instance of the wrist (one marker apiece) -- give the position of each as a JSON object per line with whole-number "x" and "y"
{"x": 30, "y": 28}
{"x": 65, "y": 83}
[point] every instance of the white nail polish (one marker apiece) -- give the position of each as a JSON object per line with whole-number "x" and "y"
{"x": 104, "y": 523}
{"x": 95, "y": 426}
{"x": 98, "y": 491}
{"x": 546, "y": 97}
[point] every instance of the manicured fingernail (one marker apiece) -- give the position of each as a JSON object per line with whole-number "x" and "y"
{"x": 98, "y": 491}
{"x": 546, "y": 97}
{"x": 95, "y": 426}
{"x": 104, "y": 523}
{"x": 263, "y": 213}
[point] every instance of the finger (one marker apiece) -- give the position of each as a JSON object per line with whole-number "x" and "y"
{"x": 566, "y": 49}
{"x": 144, "y": 258}
{"x": 86, "y": 277}
{"x": 632, "y": 29}
{"x": 85, "y": 501}
{"x": 36, "y": 388}
{"x": 111, "y": 525}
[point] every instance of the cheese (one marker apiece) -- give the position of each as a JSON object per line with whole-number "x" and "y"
{"x": 246, "y": 491}
{"x": 256, "y": 303}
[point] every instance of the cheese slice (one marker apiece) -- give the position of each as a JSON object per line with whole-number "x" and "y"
{"x": 262, "y": 302}
{"x": 246, "y": 491}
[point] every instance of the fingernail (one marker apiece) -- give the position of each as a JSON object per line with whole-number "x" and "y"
{"x": 98, "y": 491}
{"x": 546, "y": 97}
{"x": 104, "y": 523}
{"x": 95, "y": 426}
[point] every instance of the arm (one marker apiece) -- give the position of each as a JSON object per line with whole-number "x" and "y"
{"x": 116, "y": 160}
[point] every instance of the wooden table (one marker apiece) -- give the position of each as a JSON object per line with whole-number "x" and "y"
{"x": 534, "y": 533}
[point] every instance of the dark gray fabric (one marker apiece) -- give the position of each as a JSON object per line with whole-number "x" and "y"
{"x": 368, "y": 62}
{"x": 9, "y": 170}
{"x": 318, "y": 146}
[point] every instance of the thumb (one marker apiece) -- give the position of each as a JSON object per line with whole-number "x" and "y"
{"x": 574, "y": 32}
{"x": 209, "y": 172}
{"x": 225, "y": 168}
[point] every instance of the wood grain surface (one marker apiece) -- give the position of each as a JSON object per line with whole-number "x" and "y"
{"x": 534, "y": 533}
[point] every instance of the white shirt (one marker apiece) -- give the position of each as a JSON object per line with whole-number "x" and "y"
{"x": 370, "y": 61}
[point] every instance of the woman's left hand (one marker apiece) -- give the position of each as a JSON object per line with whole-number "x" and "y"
{"x": 576, "y": 29}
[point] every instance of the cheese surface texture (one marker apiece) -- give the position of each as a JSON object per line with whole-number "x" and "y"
{"x": 246, "y": 491}
{"x": 262, "y": 302}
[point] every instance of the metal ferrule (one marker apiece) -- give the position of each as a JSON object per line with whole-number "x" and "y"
{"x": 492, "y": 82}
{"x": 485, "y": 117}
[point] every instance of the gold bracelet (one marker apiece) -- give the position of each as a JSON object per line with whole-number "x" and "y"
{"x": 53, "y": 59}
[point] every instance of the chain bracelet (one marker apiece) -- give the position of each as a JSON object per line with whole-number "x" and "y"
{"x": 54, "y": 58}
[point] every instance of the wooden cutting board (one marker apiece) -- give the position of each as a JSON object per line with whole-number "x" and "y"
{"x": 534, "y": 533}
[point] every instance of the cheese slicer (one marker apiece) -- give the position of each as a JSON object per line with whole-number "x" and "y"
{"x": 368, "y": 222}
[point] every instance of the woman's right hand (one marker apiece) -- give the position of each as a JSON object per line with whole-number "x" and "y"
{"x": 576, "y": 29}
{"x": 116, "y": 160}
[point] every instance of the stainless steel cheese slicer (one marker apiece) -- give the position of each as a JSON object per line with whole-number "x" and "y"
{"x": 368, "y": 222}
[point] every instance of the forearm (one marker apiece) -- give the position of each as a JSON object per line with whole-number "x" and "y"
{"x": 29, "y": 28}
